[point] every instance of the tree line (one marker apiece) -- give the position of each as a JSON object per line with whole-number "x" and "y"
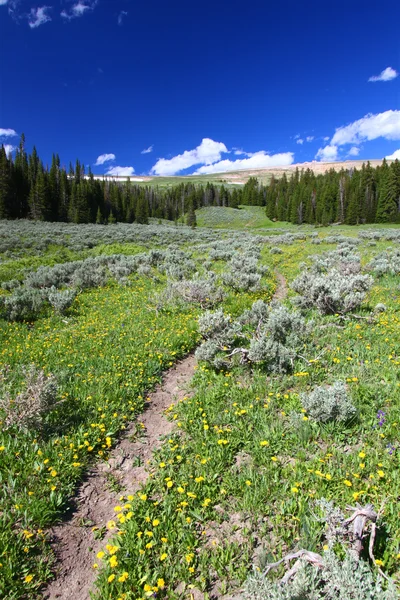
{"x": 31, "y": 190}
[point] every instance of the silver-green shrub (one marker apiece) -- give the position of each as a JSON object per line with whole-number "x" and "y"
{"x": 267, "y": 335}
{"x": 200, "y": 291}
{"x": 23, "y": 304}
{"x": 61, "y": 300}
{"x": 331, "y": 292}
{"x": 28, "y": 409}
{"x": 329, "y": 403}
{"x": 385, "y": 263}
{"x": 243, "y": 274}
{"x": 336, "y": 580}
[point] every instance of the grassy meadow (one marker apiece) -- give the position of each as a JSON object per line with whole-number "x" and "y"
{"x": 235, "y": 485}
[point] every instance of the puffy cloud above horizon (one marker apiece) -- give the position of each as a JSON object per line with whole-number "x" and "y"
{"x": 39, "y": 16}
{"x": 370, "y": 127}
{"x": 79, "y": 9}
{"x": 386, "y": 75}
{"x": 354, "y": 151}
{"x": 207, "y": 153}
{"x": 148, "y": 150}
{"x": 257, "y": 160}
{"x": 8, "y": 133}
{"x": 327, "y": 154}
{"x": 103, "y": 158}
{"x": 121, "y": 171}
{"x": 394, "y": 156}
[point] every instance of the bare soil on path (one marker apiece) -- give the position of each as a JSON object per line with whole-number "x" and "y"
{"x": 281, "y": 288}
{"x": 73, "y": 541}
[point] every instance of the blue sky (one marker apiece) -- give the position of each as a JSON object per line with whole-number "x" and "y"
{"x": 200, "y": 86}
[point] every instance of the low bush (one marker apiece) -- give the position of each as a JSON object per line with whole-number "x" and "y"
{"x": 29, "y": 409}
{"x": 329, "y": 403}
{"x": 346, "y": 579}
{"x": 331, "y": 292}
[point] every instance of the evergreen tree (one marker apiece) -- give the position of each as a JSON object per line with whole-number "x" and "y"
{"x": 191, "y": 220}
{"x": 5, "y": 185}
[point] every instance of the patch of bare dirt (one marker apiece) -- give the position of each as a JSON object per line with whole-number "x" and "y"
{"x": 74, "y": 541}
{"x": 281, "y": 289}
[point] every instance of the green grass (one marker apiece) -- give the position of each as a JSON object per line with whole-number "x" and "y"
{"x": 235, "y": 459}
{"x": 249, "y": 217}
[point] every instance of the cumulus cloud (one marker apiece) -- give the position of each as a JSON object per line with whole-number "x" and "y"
{"x": 8, "y": 133}
{"x": 300, "y": 141}
{"x": 370, "y": 127}
{"x": 206, "y": 153}
{"x": 9, "y": 148}
{"x": 39, "y": 16}
{"x": 2, "y": 2}
{"x": 386, "y": 75}
{"x": 354, "y": 151}
{"x": 327, "y": 154}
{"x": 394, "y": 156}
{"x": 148, "y": 150}
{"x": 103, "y": 158}
{"x": 326, "y": 138}
{"x": 121, "y": 16}
{"x": 121, "y": 171}
{"x": 79, "y": 9}
{"x": 241, "y": 152}
{"x": 309, "y": 138}
{"x": 258, "y": 160}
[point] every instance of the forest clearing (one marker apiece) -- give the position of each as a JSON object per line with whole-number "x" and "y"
{"x": 288, "y": 425}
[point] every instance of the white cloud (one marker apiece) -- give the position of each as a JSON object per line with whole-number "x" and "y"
{"x": 326, "y": 138}
{"x": 386, "y": 75}
{"x": 8, "y": 133}
{"x": 300, "y": 141}
{"x": 104, "y": 158}
{"x": 394, "y": 156}
{"x": 370, "y": 127}
{"x": 296, "y": 137}
{"x": 39, "y": 16}
{"x": 258, "y": 160}
{"x": 121, "y": 171}
{"x": 2, "y": 2}
{"x": 309, "y": 138}
{"x": 354, "y": 151}
{"x": 121, "y": 16}
{"x": 207, "y": 153}
{"x": 79, "y": 9}
{"x": 327, "y": 154}
{"x": 148, "y": 150}
{"x": 9, "y": 148}
{"x": 240, "y": 152}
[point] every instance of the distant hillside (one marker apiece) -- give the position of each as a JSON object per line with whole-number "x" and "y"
{"x": 233, "y": 178}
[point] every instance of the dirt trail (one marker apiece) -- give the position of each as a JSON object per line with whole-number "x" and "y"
{"x": 281, "y": 289}
{"x": 73, "y": 541}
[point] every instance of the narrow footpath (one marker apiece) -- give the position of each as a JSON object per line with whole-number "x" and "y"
{"x": 73, "y": 541}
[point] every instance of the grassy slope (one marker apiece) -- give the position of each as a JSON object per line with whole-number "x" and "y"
{"x": 112, "y": 348}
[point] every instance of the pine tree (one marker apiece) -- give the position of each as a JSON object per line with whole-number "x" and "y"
{"x": 389, "y": 196}
{"x": 142, "y": 215}
{"x": 191, "y": 220}
{"x": 5, "y": 185}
